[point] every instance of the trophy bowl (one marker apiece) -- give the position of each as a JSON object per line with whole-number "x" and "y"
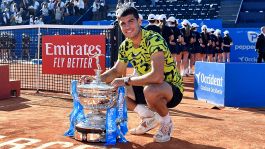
{"x": 96, "y": 97}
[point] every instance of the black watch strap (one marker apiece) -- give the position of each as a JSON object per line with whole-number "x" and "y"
{"x": 127, "y": 80}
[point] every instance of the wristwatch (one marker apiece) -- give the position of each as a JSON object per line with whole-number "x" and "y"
{"x": 127, "y": 80}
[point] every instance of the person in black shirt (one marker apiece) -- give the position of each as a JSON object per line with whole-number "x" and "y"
{"x": 260, "y": 45}
{"x": 204, "y": 42}
{"x": 166, "y": 31}
{"x": 25, "y": 46}
{"x": 13, "y": 45}
{"x": 219, "y": 46}
{"x": 2, "y": 46}
{"x": 115, "y": 41}
{"x": 211, "y": 46}
{"x": 186, "y": 45}
{"x": 226, "y": 46}
{"x": 175, "y": 48}
{"x": 196, "y": 52}
{"x": 8, "y": 46}
{"x": 40, "y": 47}
{"x": 5, "y": 46}
{"x": 152, "y": 26}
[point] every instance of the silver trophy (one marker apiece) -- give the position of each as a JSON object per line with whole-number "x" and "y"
{"x": 96, "y": 97}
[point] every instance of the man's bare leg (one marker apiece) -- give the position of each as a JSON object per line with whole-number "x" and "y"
{"x": 149, "y": 119}
{"x": 157, "y": 97}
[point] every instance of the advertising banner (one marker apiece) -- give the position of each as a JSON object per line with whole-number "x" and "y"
{"x": 244, "y": 40}
{"x": 209, "y": 82}
{"x": 73, "y": 54}
{"x": 230, "y": 84}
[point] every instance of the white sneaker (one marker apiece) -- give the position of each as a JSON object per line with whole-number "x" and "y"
{"x": 164, "y": 132}
{"x": 147, "y": 124}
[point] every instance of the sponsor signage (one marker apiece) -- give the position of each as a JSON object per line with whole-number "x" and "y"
{"x": 73, "y": 54}
{"x": 209, "y": 82}
{"x": 230, "y": 84}
{"x": 244, "y": 40}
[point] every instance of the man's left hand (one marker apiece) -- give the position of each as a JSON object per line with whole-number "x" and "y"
{"x": 118, "y": 82}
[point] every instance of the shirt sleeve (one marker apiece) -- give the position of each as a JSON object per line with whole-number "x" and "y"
{"x": 156, "y": 43}
{"x": 122, "y": 53}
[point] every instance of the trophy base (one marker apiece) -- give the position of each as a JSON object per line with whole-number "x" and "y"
{"x": 92, "y": 129}
{"x": 90, "y": 135}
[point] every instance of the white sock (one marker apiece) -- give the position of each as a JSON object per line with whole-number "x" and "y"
{"x": 166, "y": 119}
{"x": 143, "y": 111}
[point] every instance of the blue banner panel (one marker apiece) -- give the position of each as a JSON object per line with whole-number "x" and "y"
{"x": 209, "y": 82}
{"x": 244, "y": 40}
{"x": 102, "y": 22}
{"x": 230, "y": 84}
{"x": 245, "y": 85}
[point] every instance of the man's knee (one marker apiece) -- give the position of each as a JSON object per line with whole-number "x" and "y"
{"x": 151, "y": 91}
{"x": 152, "y": 95}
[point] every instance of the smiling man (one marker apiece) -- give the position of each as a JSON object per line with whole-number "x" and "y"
{"x": 158, "y": 85}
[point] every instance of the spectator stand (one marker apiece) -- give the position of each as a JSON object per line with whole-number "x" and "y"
{"x": 206, "y": 9}
{"x": 52, "y": 12}
{"x": 252, "y": 13}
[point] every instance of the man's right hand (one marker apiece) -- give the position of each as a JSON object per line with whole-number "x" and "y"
{"x": 86, "y": 79}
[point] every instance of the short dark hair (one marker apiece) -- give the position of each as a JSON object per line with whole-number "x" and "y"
{"x": 126, "y": 10}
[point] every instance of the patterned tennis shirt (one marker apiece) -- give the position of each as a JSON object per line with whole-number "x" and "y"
{"x": 140, "y": 57}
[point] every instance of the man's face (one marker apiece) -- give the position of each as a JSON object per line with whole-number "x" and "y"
{"x": 130, "y": 26}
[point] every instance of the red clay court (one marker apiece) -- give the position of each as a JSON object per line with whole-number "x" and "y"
{"x": 40, "y": 120}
